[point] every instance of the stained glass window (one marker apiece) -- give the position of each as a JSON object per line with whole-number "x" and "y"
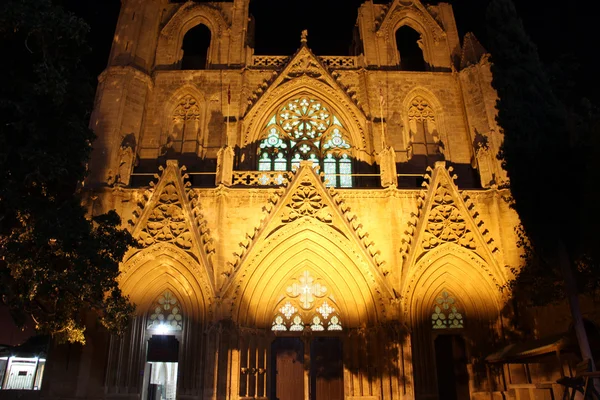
{"x": 278, "y": 324}
{"x": 297, "y": 324}
{"x": 166, "y": 314}
{"x": 305, "y": 129}
{"x": 445, "y": 313}
{"x": 307, "y": 300}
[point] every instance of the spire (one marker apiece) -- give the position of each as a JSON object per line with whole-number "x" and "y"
{"x": 472, "y": 51}
{"x": 304, "y": 38}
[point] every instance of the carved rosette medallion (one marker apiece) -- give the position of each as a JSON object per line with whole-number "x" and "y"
{"x": 445, "y": 224}
{"x": 306, "y": 202}
{"x": 166, "y": 222}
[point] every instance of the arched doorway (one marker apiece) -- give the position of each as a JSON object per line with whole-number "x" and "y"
{"x": 451, "y": 367}
{"x": 164, "y": 327}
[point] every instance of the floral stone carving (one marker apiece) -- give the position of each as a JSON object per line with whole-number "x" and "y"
{"x": 166, "y": 222}
{"x": 307, "y": 202}
{"x": 445, "y": 223}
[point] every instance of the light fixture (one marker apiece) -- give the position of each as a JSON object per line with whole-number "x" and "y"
{"x": 163, "y": 328}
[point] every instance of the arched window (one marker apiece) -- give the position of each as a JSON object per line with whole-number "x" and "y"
{"x": 166, "y": 314}
{"x": 424, "y": 137}
{"x": 408, "y": 42}
{"x": 196, "y": 44}
{"x": 446, "y": 314}
{"x": 305, "y": 129}
{"x": 185, "y": 131}
{"x": 307, "y": 307}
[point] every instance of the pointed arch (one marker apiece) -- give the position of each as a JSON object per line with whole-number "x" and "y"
{"x": 304, "y": 245}
{"x": 183, "y": 119}
{"x": 438, "y": 129}
{"x": 454, "y": 269}
{"x": 417, "y": 17}
{"x": 148, "y": 273}
{"x": 351, "y": 116}
{"x": 189, "y": 15}
{"x": 424, "y": 43}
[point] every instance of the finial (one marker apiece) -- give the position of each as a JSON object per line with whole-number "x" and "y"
{"x": 304, "y": 37}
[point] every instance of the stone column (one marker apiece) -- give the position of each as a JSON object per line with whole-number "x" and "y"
{"x": 387, "y": 165}
{"x": 224, "y": 166}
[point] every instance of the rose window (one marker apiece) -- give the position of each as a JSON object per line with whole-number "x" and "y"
{"x": 306, "y": 129}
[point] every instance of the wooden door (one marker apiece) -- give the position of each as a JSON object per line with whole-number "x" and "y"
{"x": 326, "y": 369}
{"x": 288, "y": 374}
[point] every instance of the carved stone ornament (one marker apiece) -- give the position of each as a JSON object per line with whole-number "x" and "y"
{"x": 420, "y": 110}
{"x": 166, "y": 222}
{"x": 170, "y": 212}
{"x": 186, "y": 110}
{"x": 305, "y": 65}
{"x": 306, "y": 201}
{"x": 445, "y": 223}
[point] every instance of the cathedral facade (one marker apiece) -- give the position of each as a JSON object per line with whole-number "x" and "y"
{"x": 309, "y": 226}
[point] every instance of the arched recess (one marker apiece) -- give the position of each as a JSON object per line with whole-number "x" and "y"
{"x": 150, "y": 272}
{"x": 193, "y": 133}
{"x": 437, "y": 109}
{"x": 262, "y": 280}
{"x": 467, "y": 278}
{"x": 169, "y": 52}
{"x": 426, "y": 42}
{"x": 458, "y": 270}
{"x": 351, "y": 117}
{"x": 409, "y": 46}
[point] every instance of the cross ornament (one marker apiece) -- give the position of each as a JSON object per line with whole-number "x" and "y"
{"x": 307, "y": 289}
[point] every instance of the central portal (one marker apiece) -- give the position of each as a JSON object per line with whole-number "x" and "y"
{"x": 317, "y": 371}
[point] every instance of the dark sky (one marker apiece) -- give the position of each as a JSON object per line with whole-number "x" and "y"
{"x": 564, "y": 31}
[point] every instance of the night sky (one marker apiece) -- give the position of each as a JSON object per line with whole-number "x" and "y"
{"x": 563, "y": 32}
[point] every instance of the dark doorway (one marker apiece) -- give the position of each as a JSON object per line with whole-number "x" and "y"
{"x": 196, "y": 43}
{"x": 287, "y": 361}
{"x": 411, "y": 55}
{"x": 326, "y": 369}
{"x": 160, "y": 372}
{"x": 451, "y": 366}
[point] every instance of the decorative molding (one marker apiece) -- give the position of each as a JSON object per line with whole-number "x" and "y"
{"x": 446, "y": 219}
{"x": 307, "y": 199}
{"x": 303, "y": 70}
{"x": 401, "y": 9}
{"x": 170, "y": 212}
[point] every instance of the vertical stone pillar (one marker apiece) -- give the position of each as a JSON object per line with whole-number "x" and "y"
{"x": 387, "y": 166}
{"x": 224, "y": 166}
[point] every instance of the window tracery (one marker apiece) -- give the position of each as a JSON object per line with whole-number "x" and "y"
{"x": 305, "y": 129}
{"x": 166, "y": 313}
{"x": 186, "y": 125}
{"x": 424, "y": 137}
{"x": 446, "y": 314}
{"x": 303, "y": 308}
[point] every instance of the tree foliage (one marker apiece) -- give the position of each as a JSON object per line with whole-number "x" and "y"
{"x": 550, "y": 152}
{"x": 55, "y": 263}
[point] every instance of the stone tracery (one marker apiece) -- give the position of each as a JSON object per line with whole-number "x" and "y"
{"x": 305, "y": 129}
{"x": 305, "y": 293}
{"x": 166, "y": 313}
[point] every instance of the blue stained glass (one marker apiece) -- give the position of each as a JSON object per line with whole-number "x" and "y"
{"x": 264, "y": 164}
{"x": 329, "y": 170}
{"x": 345, "y": 172}
{"x": 280, "y": 163}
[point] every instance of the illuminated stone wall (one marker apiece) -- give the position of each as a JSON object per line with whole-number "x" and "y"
{"x": 231, "y": 254}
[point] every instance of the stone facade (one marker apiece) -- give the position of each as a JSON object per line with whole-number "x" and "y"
{"x": 400, "y": 264}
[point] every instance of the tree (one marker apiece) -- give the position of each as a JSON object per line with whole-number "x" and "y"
{"x": 56, "y": 264}
{"x": 546, "y": 161}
